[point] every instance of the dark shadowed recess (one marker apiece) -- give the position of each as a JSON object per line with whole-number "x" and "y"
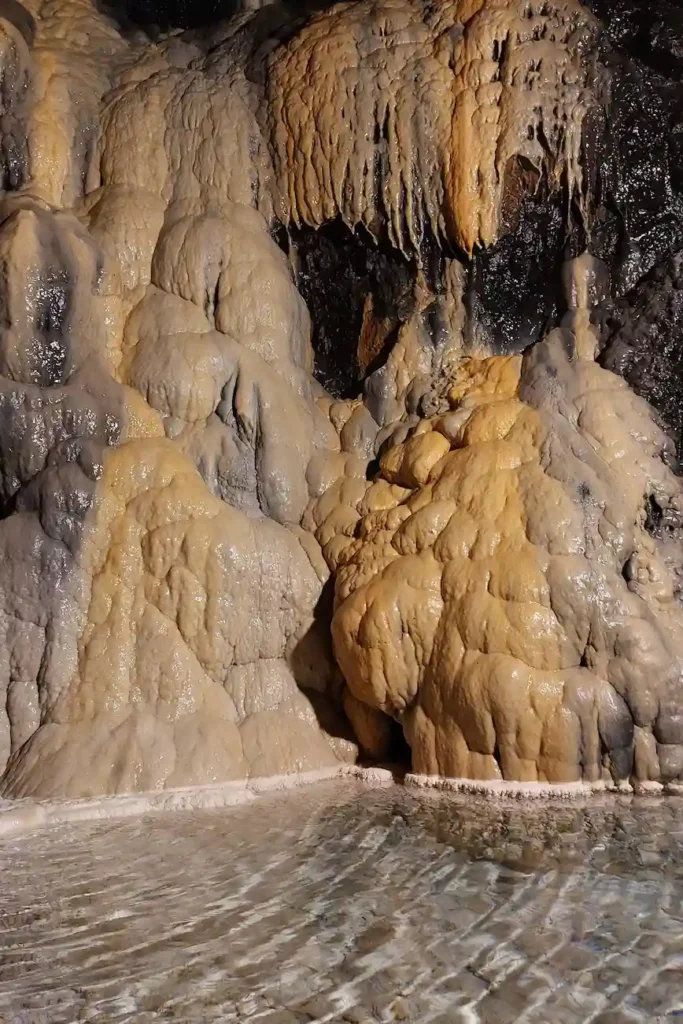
{"x": 360, "y": 290}
{"x": 345, "y": 276}
{"x": 169, "y": 15}
{"x": 172, "y": 14}
{"x": 514, "y": 293}
{"x": 17, "y": 15}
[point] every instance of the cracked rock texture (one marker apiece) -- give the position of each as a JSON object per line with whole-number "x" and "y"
{"x": 213, "y": 567}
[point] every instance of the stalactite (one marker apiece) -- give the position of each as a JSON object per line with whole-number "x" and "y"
{"x": 405, "y": 115}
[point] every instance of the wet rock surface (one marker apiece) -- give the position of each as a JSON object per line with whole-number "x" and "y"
{"x": 635, "y": 147}
{"x": 643, "y": 341}
{"x": 248, "y": 257}
{"x": 340, "y": 904}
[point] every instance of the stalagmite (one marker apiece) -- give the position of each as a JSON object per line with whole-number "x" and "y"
{"x": 503, "y": 594}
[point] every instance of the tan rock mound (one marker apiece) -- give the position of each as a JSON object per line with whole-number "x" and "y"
{"x": 501, "y": 588}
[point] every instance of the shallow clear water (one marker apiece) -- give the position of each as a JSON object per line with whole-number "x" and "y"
{"x": 347, "y": 904}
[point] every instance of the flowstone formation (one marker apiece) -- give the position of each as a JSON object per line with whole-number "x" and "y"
{"x": 313, "y": 439}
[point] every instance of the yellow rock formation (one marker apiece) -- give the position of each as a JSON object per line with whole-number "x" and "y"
{"x": 497, "y": 589}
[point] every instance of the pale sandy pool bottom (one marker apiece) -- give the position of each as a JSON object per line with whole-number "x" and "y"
{"x": 346, "y": 903}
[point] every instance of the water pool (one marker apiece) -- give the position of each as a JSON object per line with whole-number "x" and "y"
{"x": 342, "y": 903}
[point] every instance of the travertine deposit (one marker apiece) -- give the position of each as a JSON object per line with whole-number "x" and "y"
{"x": 502, "y": 593}
{"x": 213, "y": 567}
{"x": 438, "y": 102}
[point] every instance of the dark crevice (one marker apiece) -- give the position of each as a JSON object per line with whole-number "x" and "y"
{"x": 8, "y": 506}
{"x": 514, "y": 291}
{"x": 20, "y": 17}
{"x": 163, "y": 16}
{"x": 357, "y": 291}
{"x": 655, "y": 516}
{"x": 166, "y": 15}
{"x": 399, "y": 750}
{"x": 372, "y": 469}
{"x": 661, "y": 521}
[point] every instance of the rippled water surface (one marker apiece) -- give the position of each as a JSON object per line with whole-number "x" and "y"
{"x": 347, "y": 904}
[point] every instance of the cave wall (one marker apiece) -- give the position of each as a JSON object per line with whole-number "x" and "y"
{"x": 327, "y": 333}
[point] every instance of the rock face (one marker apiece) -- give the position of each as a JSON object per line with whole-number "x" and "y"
{"x": 504, "y": 596}
{"x": 213, "y": 566}
{"x": 157, "y": 419}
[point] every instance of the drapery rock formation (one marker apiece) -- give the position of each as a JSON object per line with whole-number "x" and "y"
{"x": 316, "y": 432}
{"x": 439, "y": 99}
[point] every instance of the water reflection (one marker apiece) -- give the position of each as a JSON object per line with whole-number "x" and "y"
{"x": 342, "y": 904}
